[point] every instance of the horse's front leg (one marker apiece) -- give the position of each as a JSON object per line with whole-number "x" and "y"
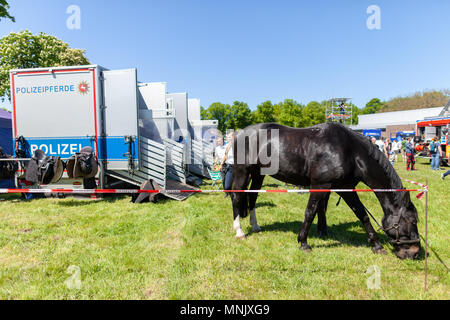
{"x": 356, "y": 205}
{"x": 315, "y": 200}
{"x": 241, "y": 179}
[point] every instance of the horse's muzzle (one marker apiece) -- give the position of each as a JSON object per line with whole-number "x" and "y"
{"x": 412, "y": 252}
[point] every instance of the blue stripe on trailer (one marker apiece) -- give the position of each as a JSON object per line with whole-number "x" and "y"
{"x": 110, "y": 148}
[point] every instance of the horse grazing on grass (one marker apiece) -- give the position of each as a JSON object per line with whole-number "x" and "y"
{"x": 326, "y": 156}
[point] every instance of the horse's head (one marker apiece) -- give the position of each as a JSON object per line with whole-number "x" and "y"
{"x": 401, "y": 228}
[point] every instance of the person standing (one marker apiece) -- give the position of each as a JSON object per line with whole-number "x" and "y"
{"x": 382, "y": 146}
{"x": 219, "y": 153}
{"x": 435, "y": 152}
{"x": 409, "y": 150}
{"x": 390, "y": 152}
{"x": 395, "y": 149}
{"x": 403, "y": 146}
{"x": 227, "y": 164}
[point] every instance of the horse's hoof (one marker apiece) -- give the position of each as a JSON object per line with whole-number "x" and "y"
{"x": 256, "y": 230}
{"x": 242, "y": 237}
{"x": 305, "y": 248}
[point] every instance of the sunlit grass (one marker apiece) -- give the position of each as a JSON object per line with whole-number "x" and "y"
{"x": 187, "y": 250}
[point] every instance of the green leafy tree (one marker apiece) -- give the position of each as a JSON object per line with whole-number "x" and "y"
{"x": 221, "y": 112}
{"x": 373, "y": 106}
{"x": 290, "y": 113}
{"x": 313, "y": 113}
{"x": 25, "y": 50}
{"x": 241, "y": 116}
{"x": 4, "y": 6}
{"x": 265, "y": 112}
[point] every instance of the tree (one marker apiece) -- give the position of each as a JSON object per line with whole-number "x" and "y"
{"x": 4, "y": 6}
{"x": 373, "y": 106}
{"x": 290, "y": 113}
{"x": 25, "y": 50}
{"x": 265, "y": 112}
{"x": 241, "y": 116}
{"x": 356, "y": 112}
{"x": 313, "y": 113}
{"x": 221, "y": 112}
{"x": 418, "y": 100}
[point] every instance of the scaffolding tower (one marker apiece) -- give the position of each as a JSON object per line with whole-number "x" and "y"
{"x": 339, "y": 110}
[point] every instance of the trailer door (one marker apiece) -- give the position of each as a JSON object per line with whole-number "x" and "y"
{"x": 120, "y": 119}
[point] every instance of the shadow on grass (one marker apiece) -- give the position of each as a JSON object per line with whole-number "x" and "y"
{"x": 79, "y": 201}
{"x": 265, "y": 204}
{"x": 342, "y": 233}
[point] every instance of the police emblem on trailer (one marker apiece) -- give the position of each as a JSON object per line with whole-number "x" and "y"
{"x": 83, "y": 87}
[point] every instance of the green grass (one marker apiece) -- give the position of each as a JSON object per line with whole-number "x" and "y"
{"x": 187, "y": 250}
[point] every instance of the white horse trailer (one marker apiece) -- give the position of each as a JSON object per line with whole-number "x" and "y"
{"x": 129, "y": 125}
{"x": 204, "y": 134}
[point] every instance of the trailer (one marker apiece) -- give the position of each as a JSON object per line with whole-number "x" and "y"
{"x": 204, "y": 134}
{"x": 129, "y": 125}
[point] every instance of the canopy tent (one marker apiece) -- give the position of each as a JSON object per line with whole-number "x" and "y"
{"x": 6, "y": 140}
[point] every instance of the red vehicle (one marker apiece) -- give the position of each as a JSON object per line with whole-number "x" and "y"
{"x": 427, "y": 129}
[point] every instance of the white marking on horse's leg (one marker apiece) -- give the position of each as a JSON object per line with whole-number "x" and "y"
{"x": 237, "y": 226}
{"x": 254, "y": 222}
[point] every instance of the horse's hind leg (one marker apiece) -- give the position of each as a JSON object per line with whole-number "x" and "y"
{"x": 315, "y": 200}
{"x": 257, "y": 182}
{"x": 356, "y": 205}
{"x": 322, "y": 219}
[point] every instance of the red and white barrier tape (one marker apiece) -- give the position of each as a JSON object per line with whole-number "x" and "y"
{"x": 422, "y": 193}
{"x": 417, "y": 183}
{"x": 135, "y": 191}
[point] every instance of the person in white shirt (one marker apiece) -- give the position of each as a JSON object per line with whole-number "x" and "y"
{"x": 219, "y": 153}
{"x": 382, "y": 147}
{"x": 395, "y": 149}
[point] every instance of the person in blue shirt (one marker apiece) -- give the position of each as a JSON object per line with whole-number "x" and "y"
{"x": 435, "y": 151}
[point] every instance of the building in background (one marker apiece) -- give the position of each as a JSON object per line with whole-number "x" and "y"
{"x": 392, "y": 122}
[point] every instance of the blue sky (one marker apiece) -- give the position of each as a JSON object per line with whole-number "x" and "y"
{"x": 254, "y": 51}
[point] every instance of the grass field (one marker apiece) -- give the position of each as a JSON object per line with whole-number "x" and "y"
{"x": 187, "y": 250}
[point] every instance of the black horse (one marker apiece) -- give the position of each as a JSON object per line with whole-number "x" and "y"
{"x": 326, "y": 156}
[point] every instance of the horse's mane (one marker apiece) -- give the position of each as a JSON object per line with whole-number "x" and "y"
{"x": 374, "y": 152}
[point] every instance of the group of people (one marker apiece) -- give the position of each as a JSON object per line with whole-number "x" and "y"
{"x": 390, "y": 149}
{"x": 408, "y": 150}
